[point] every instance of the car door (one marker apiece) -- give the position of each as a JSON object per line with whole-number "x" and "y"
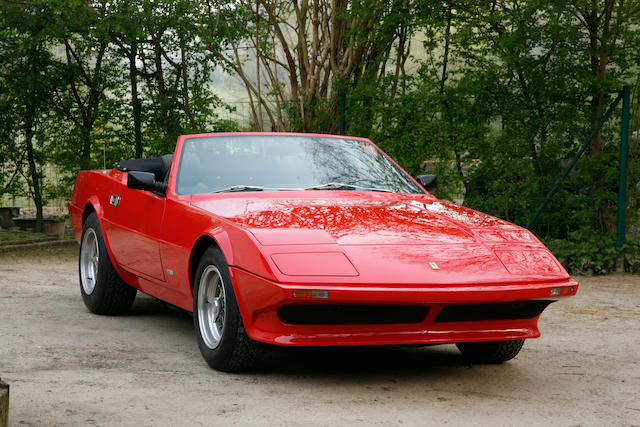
{"x": 135, "y": 224}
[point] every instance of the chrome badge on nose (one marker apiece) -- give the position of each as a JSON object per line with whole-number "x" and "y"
{"x": 434, "y": 266}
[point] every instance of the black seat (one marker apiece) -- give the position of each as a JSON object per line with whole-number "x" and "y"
{"x": 159, "y": 166}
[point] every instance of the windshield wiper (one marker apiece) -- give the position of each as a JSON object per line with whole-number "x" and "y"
{"x": 343, "y": 186}
{"x": 237, "y": 188}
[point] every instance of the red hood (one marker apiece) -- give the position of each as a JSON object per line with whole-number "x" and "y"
{"x": 368, "y": 218}
{"x": 410, "y": 231}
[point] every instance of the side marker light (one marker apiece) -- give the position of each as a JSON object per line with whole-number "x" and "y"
{"x": 309, "y": 293}
{"x": 565, "y": 290}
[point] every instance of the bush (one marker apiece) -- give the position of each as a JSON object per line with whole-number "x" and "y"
{"x": 631, "y": 252}
{"x": 585, "y": 252}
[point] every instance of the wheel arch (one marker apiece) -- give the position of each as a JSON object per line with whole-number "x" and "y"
{"x": 88, "y": 210}
{"x": 92, "y": 205}
{"x": 217, "y": 239}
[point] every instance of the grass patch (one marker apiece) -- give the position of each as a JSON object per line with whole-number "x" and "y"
{"x": 18, "y": 237}
{"x": 63, "y": 253}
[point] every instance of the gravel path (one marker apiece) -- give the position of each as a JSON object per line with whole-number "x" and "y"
{"x": 69, "y": 367}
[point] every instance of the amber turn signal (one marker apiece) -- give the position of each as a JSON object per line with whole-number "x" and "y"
{"x": 565, "y": 290}
{"x": 309, "y": 293}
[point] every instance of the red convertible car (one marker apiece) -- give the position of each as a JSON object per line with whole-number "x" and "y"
{"x": 307, "y": 240}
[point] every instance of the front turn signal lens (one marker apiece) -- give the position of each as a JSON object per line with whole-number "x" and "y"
{"x": 565, "y": 290}
{"x": 310, "y": 293}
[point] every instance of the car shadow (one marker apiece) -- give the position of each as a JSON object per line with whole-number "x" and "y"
{"x": 361, "y": 360}
{"x": 437, "y": 371}
{"x": 344, "y": 364}
{"x": 147, "y": 306}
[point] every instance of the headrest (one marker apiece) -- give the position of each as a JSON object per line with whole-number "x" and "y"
{"x": 159, "y": 166}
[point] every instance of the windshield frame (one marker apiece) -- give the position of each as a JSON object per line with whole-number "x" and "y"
{"x": 184, "y": 139}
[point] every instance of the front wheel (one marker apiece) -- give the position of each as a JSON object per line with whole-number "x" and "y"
{"x": 222, "y": 339}
{"x": 490, "y": 351}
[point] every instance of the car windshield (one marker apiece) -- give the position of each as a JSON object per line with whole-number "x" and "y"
{"x": 272, "y": 163}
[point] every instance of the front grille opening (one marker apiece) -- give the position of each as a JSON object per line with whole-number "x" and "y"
{"x": 325, "y": 314}
{"x": 493, "y": 311}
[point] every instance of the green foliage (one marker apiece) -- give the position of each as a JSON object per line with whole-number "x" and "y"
{"x": 502, "y": 100}
{"x": 493, "y": 97}
{"x": 588, "y": 253}
{"x": 631, "y": 252}
{"x": 26, "y": 38}
{"x": 66, "y": 102}
{"x": 585, "y": 252}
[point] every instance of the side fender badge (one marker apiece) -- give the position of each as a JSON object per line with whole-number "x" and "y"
{"x": 115, "y": 200}
{"x": 434, "y": 266}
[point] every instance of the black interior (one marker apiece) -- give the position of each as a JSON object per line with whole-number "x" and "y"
{"x": 159, "y": 166}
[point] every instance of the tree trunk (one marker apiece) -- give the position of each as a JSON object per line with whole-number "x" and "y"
{"x": 36, "y": 193}
{"x": 85, "y": 159}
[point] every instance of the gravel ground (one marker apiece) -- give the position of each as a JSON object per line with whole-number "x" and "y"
{"x": 69, "y": 367}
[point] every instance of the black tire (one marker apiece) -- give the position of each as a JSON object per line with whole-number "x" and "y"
{"x": 232, "y": 350}
{"x": 110, "y": 295}
{"x": 490, "y": 351}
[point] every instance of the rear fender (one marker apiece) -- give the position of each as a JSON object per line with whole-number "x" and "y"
{"x": 93, "y": 204}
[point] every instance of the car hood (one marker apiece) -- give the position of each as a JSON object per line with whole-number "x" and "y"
{"x": 425, "y": 238}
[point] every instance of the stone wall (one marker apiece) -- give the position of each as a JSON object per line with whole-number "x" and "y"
{"x": 4, "y": 404}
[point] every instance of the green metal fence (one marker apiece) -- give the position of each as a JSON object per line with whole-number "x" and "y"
{"x": 625, "y": 96}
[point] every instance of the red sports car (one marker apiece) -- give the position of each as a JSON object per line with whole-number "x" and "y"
{"x": 307, "y": 240}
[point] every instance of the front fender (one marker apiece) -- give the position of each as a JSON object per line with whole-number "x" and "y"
{"x": 240, "y": 250}
{"x": 221, "y": 238}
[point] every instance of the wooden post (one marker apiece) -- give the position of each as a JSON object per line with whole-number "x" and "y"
{"x": 4, "y": 404}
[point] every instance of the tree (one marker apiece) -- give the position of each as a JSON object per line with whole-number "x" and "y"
{"x": 168, "y": 66}
{"x": 26, "y": 57}
{"x": 89, "y": 73}
{"x": 611, "y": 31}
{"x": 308, "y": 52}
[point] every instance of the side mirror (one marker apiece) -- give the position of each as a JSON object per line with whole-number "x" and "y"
{"x": 145, "y": 181}
{"x": 429, "y": 182}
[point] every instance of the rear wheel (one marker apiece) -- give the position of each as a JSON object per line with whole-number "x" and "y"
{"x": 222, "y": 339}
{"x": 103, "y": 291}
{"x": 490, "y": 351}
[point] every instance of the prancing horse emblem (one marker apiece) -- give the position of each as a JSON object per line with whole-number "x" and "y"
{"x": 434, "y": 266}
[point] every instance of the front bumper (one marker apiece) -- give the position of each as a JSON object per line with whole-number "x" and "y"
{"x": 259, "y": 300}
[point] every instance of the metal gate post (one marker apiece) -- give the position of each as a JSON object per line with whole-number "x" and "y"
{"x": 556, "y": 186}
{"x": 624, "y": 156}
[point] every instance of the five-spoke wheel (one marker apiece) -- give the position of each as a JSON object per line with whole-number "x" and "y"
{"x": 89, "y": 257}
{"x": 103, "y": 291}
{"x": 222, "y": 339}
{"x": 211, "y": 306}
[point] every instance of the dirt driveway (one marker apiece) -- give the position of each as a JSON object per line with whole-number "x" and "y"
{"x": 69, "y": 367}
